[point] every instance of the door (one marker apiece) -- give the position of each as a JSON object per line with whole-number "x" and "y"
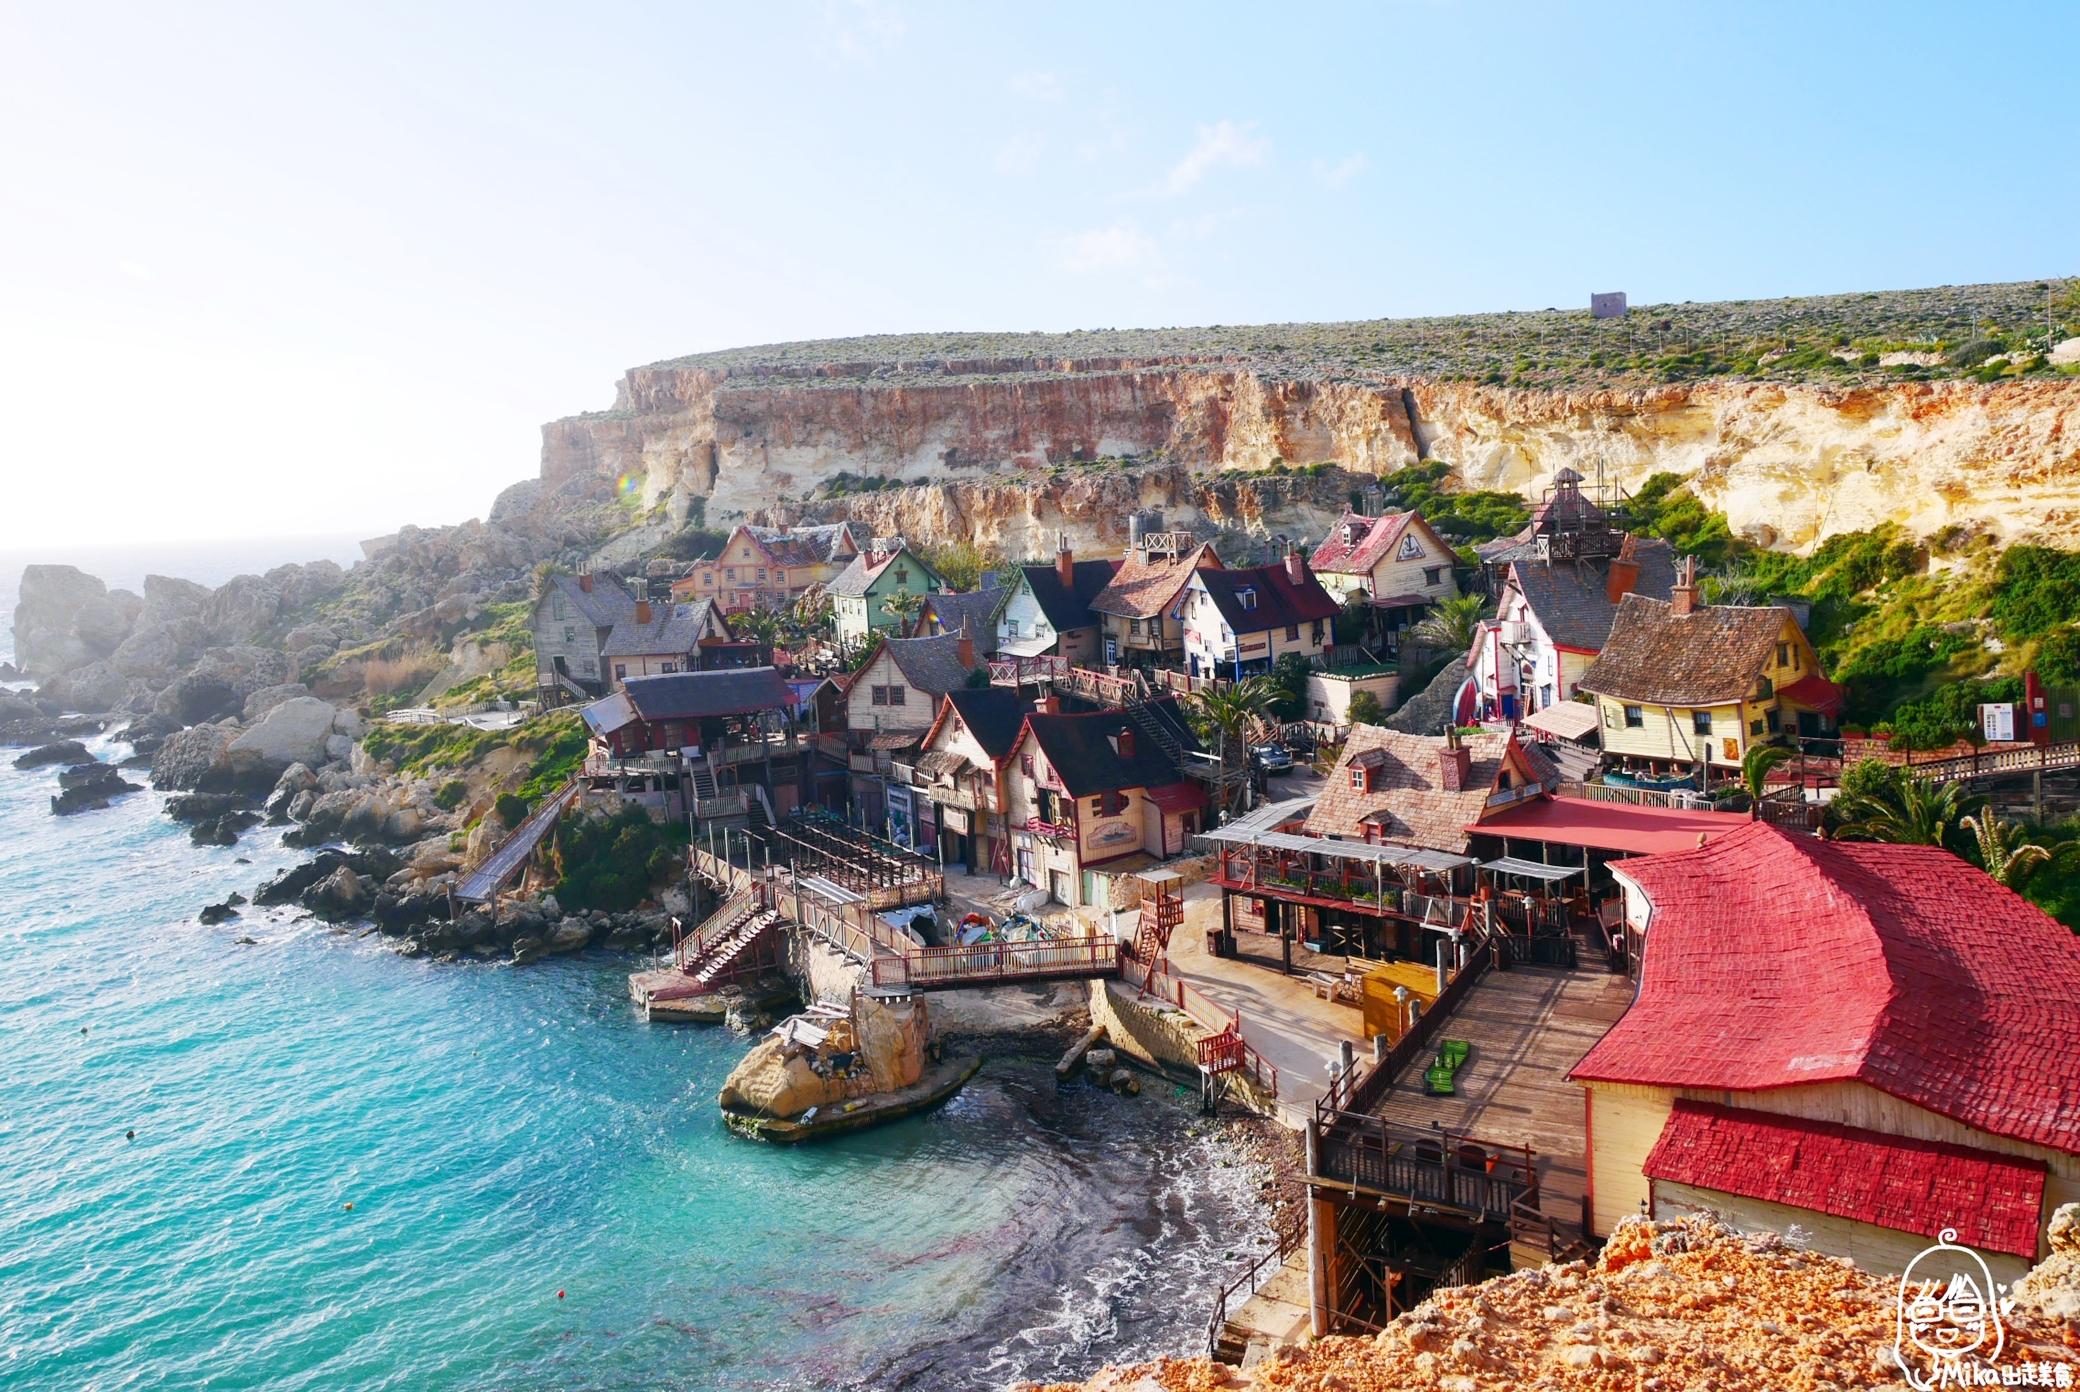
{"x": 1025, "y": 866}
{"x": 1058, "y": 886}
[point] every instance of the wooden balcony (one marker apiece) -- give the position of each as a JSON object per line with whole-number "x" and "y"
{"x": 1439, "y": 1169}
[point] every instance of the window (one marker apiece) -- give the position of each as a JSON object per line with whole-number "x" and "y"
{"x": 731, "y": 573}
{"x": 1292, "y": 633}
{"x": 556, "y": 607}
{"x": 1755, "y": 727}
{"x": 1134, "y": 627}
{"x": 1433, "y": 575}
{"x": 880, "y": 696}
{"x": 896, "y": 694}
{"x": 1769, "y": 718}
{"x": 670, "y": 667}
{"x": 1358, "y": 780}
{"x": 1502, "y": 780}
{"x": 1635, "y": 718}
{"x": 902, "y": 577}
{"x": 707, "y": 577}
{"x": 1248, "y": 597}
{"x": 620, "y": 671}
{"x": 1315, "y": 636}
{"x": 1701, "y": 722}
{"x": 570, "y": 634}
{"x": 761, "y": 576}
{"x": 1011, "y": 628}
{"x": 1025, "y": 765}
{"x": 779, "y": 577}
{"x": 1783, "y": 654}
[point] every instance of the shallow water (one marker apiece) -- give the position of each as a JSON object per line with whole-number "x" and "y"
{"x": 505, "y": 1135}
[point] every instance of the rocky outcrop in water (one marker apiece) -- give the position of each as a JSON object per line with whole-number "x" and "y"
{"x": 90, "y": 788}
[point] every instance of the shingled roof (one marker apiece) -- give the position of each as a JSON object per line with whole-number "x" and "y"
{"x": 1145, "y": 586}
{"x": 1068, "y": 608}
{"x": 993, "y": 714}
{"x": 866, "y": 568}
{"x": 803, "y": 546}
{"x": 928, "y": 664}
{"x": 607, "y": 603}
{"x": 1407, "y": 800}
{"x": 1775, "y": 960}
{"x": 1713, "y": 656}
{"x": 1081, "y": 750}
{"x": 673, "y": 629}
{"x": 1993, "y": 1201}
{"x": 1375, "y": 536}
{"x": 701, "y": 695}
{"x": 977, "y": 608}
{"x": 1280, "y": 600}
{"x": 1572, "y": 600}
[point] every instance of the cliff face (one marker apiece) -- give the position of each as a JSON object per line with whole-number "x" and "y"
{"x": 1788, "y": 464}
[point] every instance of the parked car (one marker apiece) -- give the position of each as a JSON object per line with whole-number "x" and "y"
{"x": 1271, "y": 758}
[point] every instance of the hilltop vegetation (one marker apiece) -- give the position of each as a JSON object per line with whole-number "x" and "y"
{"x": 1819, "y": 338}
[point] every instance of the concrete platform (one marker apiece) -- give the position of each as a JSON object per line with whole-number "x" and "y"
{"x": 712, "y": 1007}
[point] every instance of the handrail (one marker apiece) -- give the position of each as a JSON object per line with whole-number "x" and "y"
{"x": 1355, "y": 1094}
{"x": 1203, "y": 1009}
{"x": 1288, "y": 1238}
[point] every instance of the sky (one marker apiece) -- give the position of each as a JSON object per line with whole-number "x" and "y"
{"x": 273, "y": 270}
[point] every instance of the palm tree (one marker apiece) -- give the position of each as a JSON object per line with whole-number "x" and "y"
{"x": 1452, "y": 624}
{"x": 902, "y": 606}
{"x": 1225, "y": 717}
{"x": 763, "y": 627}
{"x": 2007, "y": 858}
{"x": 1755, "y": 767}
{"x": 1914, "y": 811}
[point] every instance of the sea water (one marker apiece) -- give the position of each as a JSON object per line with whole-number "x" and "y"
{"x": 354, "y": 1171}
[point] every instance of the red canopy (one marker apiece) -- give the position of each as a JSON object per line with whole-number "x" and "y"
{"x": 1178, "y": 797}
{"x": 1609, "y": 826}
{"x": 1815, "y": 694}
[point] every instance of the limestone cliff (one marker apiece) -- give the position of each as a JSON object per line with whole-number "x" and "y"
{"x": 997, "y": 441}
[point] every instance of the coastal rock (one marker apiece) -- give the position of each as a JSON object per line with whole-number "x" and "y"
{"x": 306, "y": 636}
{"x": 196, "y": 698}
{"x": 213, "y": 914}
{"x": 195, "y": 758}
{"x": 224, "y": 830}
{"x": 569, "y": 935}
{"x": 97, "y": 686}
{"x": 63, "y": 752}
{"x": 168, "y": 600}
{"x": 268, "y": 697}
{"x": 240, "y": 608}
{"x": 89, "y": 789}
{"x": 54, "y": 601}
{"x": 2052, "y": 1288}
{"x": 527, "y": 949}
{"x": 400, "y": 913}
{"x": 296, "y": 779}
{"x": 146, "y": 733}
{"x": 338, "y": 896}
{"x": 202, "y": 807}
{"x": 152, "y": 653}
{"x": 292, "y": 731}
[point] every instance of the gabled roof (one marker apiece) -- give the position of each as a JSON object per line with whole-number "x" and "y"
{"x": 1068, "y": 608}
{"x": 1994, "y": 1202}
{"x": 1712, "y": 656}
{"x": 977, "y": 608}
{"x": 1775, "y": 960}
{"x": 1081, "y": 750}
{"x": 1376, "y": 539}
{"x": 1279, "y": 599}
{"x": 1145, "y": 585}
{"x": 702, "y": 695}
{"x": 867, "y": 567}
{"x": 1407, "y": 800}
{"x": 674, "y": 630}
{"x": 993, "y": 715}
{"x": 1571, "y": 600}
{"x": 802, "y": 546}
{"x": 606, "y": 604}
{"x": 927, "y": 664}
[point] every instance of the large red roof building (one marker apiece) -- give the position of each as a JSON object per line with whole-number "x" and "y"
{"x": 1894, "y": 992}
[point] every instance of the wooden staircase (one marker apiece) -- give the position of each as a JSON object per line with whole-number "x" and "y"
{"x": 742, "y": 938}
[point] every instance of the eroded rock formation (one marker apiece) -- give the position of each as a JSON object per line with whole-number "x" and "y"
{"x": 1788, "y": 464}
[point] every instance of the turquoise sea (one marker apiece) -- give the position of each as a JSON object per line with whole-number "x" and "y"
{"x": 353, "y": 1171}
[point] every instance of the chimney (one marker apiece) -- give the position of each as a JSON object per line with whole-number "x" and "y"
{"x": 585, "y": 582}
{"x": 642, "y": 611}
{"x": 1296, "y": 566}
{"x": 1065, "y": 562}
{"x": 1683, "y": 598}
{"x": 966, "y": 648}
{"x": 1050, "y": 705}
{"x": 1454, "y": 764}
{"x": 641, "y": 588}
{"x": 1624, "y": 572}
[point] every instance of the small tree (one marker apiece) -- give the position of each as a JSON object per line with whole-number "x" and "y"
{"x": 1755, "y": 767}
{"x": 1914, "y": 811}
{"x": 902, "y": 606}
{"x": 2003, "y": 852}
{"x": 1451, "y": 625}
{"x": 761, "y": 626}
{"x": 1366, "y": 709}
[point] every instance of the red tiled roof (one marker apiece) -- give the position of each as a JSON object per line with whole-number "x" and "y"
{"x": 1375, "y": 535}
{"x": 1609, "y": 826}
{"x": 1994, "y": 1201}
{"x": 1815, "y": 693}
{"x": 1775, "y": 960}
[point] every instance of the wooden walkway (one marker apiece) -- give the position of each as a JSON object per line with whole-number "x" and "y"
{"x": 1528, "y": 1027}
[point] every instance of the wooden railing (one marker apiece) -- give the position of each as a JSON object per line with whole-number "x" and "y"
{"x": 1442, "y": 1169}
{"x": 1288, "y": 1237}
{"x": 1683, "y": 798}
{"x": 1175, "y": 990}
{"x": 1026, "y": 671}
{"x": 984, "y": 963}
{"x": 1982, "y": 763}
{"x": 1360, "y": 1091}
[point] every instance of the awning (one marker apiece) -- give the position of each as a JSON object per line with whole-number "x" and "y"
{"x": 1608, "y": 826}
{"x": 1410, "y": 857}
{"x": 1569, "y": 720}
{"x": 1251, "y": 825}
{"x": 1402, "y": 601}
{"x": 942, "y": 763}
{"x": 1178, "y": 797}
{"x": 1815, "y": 694}
{"x": 896, "y": 739}
{"x": 605, "y": 717}
{"x": 1026, "y": 647}
{"x": 1530, "y": 869}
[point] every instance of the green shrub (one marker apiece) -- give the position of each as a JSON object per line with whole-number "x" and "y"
{"x": 1366, "y": 709}
{"x": 2035, "y": 589}
{"x": 2058, "y": 656}
{"x": 1950, "y": 714}
{"x": 452, "y": 795}
{"x": 511, "y": 808}
{"x": 611, "y": 863}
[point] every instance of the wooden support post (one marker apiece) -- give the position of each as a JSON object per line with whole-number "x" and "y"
{"x": 1321, "y": 1233}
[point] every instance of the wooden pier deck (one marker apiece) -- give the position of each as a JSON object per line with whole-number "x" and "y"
{"x": 1528, "y": 1026}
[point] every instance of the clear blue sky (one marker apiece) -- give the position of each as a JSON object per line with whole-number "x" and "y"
{"x": 276, "y": 269}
